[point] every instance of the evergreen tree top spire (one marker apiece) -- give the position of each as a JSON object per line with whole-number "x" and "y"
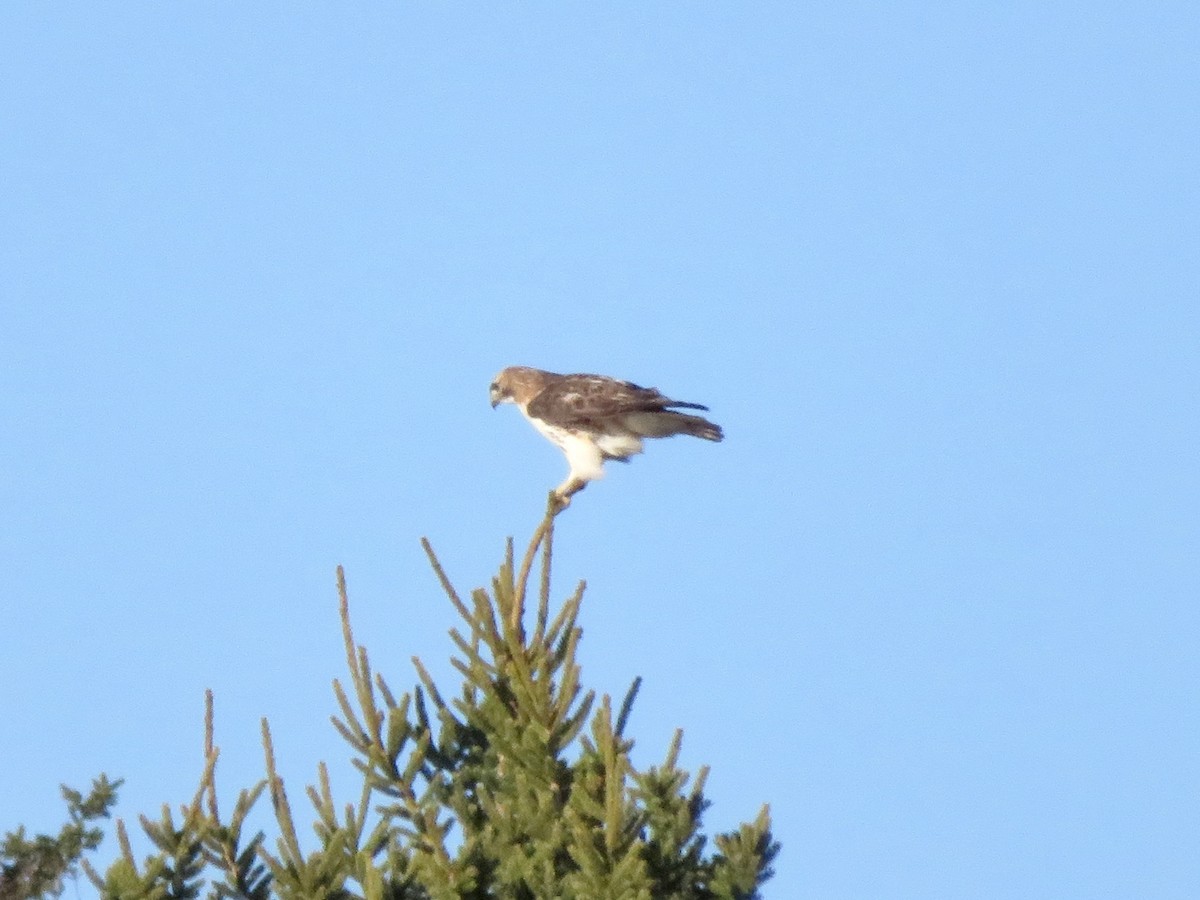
{"x": 519, "y": 785}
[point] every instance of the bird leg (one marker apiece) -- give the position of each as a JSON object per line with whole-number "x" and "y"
{"x": 568, "y": 489}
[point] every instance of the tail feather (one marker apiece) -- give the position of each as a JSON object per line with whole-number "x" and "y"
{"x": 697, "y": 426}
{"x": 667, "y": 422}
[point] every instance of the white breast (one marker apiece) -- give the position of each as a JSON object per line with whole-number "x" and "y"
{"x": 584, "y": 457}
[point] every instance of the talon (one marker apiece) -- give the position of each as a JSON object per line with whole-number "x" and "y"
{"x": 564, "y": 492}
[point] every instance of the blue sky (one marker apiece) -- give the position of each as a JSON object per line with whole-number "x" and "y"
{"x": 933, "y": 266}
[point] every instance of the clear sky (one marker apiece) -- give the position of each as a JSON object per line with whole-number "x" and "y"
{"x": 934, "y": 266}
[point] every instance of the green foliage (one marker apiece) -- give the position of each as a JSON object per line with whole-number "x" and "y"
{"x": 520, "y": 786}
{"x": 37, "y": 867}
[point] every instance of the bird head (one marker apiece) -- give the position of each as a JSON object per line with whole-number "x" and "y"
{"x": 501, "y": 390}
{"x": 517, "y": 384}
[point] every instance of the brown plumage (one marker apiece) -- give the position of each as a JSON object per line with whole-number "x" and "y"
{"x": 593, "y": 418}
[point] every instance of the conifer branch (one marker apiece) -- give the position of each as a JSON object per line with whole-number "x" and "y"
{"x": 543, "y": 612}
{"x": 444, "y": 580}
{"x": 701, "y": 780}
{"x": 673, "y": 749}
{"x": 289, "y": 844}
{"x": 210, "y": 753}
{"x": 427, "y": 680}
{"x": 350, "y": 729}
{"x": 360, "y": 673}
{"x": 627, "y": 705}
{"x": 123, "y": 842}
{"x": 553, "y": 508}
{"x": 37, "y": 865}
{"x": 322, "y": 800}
{"x": 389, "y": 699}
{"x": 564, "y": 621}
{"x": 344, "y": 616}
{"x": 370, "y": 709}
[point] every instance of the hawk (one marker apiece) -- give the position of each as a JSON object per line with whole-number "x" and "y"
{"x": 593, "y": 418}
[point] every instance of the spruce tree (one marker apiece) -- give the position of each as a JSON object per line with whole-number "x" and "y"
{"x": 520, "y": 786}
{"x": 37, "y": 866}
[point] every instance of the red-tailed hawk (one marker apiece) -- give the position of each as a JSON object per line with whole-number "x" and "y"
{"x": 593, "y": 418}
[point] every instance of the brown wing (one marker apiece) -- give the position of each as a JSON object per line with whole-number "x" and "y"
{"x": 584, "y": 399}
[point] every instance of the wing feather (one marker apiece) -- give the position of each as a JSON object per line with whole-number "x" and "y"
{"x": 587, "y": 399}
